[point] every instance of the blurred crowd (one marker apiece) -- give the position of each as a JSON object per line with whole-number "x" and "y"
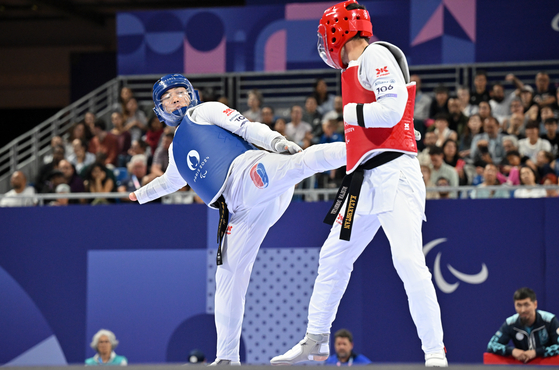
{"x": 498, "y": 135}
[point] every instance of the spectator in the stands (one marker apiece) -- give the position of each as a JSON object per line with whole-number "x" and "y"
{"x": 422, "y": 101}
{"x": 344, "y": 354}
{"x": 463, "y": 94}
{"x": 104, "y": 142}
{"x": 514, "y": 162}
{"x": 480, "y": 92}
{"x": 543, "y": 163}
{"x": 330, "y": 135}
{"x": 123, "y": 137}
{"x": 336, "y": 113}
{"x": 62, "y": 201}
{"x": 54, "y": 142}
{"x": 516, "y": 125}
{"x": 457, "y": 120}
{"x": 89, "y": 119}
{"x": 440, "y": 103}
{"x": 268, "y": 117}
{"x": 78, "y": 131}
{"x": 443, "y": 182}
{"x": 135, "y": 119}
{"x": 550, "y": 135}
{"x": 441, "y": 129}
{"x": 97, "y": 181}
{"x": 160, "y": 158}
{"x": 137, "y": 170}
{"x": 527, "y": 97}
{"x": 20, "y": 191}
{"x": 500, "y": 102}
{"x": 529, "y": 177}
{"x": 516, "y": 109}
{"x": 473, "y": 128}
{"x": 452, "y": 158}
{"x": 254, "y": 101}
{"x": 312, "y": 116}
{"x": 510, "y": 143}
{"x": 140, "y": 147}
{"x": 489, "y": 144}
{"x": 440, "y": 169}
{"x": 428, "y": 139}
{"x": 324, "y": 99}
{"x": 532, "y": 144}
{"x": 550, "y": 179}
{"x": 485, "y": 111}
{"x": 124, "y": 95}
{"x": 545, "y": 113}
{"x": 545, "y": 93}
{"x": 489, "y": 179}
{"x": 426, "y": 172}
{"x": 280, "y": 125}
{"x": 81, "y": 157}
{"x": 154, "y": 133}
{"x": 297, "y": 129}
{"x": 104, "y": 342}
{"x": 42, "y": 182}
{"x": 71, "y": 177}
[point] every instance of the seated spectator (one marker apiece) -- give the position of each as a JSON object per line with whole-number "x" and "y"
{"x": 532, "y": 144}
{"x": 440, "y": 169}
{"x": 457, "y": 121}
{"x": 104, "y": 342}
{"x": 344, "y": 356}
{"x": 89, "y": 119}
{"x": 545, "y": 91}
{"x": 160, "y": 159}
{"x": 443, "y": 182}
{"x": 550, "y": 135}
{"x": 515, "y": 125}
{"x": 62, "y": 201}
{"x": 517, "y": 109}
{"x": 336, "y": 113}
{"x": 429, "y": 139}
{"x": 330, "y": 135}
{"x": 488, "y": 145}
{"x": 422, "y": 101}
{"x": 452, "y": 158}
{"x": 42, "y": 184}
{"x": 489, "y": 179}
{"x": 104, "y": 142}
{"x": 440, "y": 103}
{"x": 123, "y": 137}
{"x": 124, "y": 95}
{"x": 512, "y": 168}
{"x": 529, "y": 177}
{"x": 324, "y": 100}
{"x": 500, "y": 103}
{"x": 485, "y": 111}
{"x": 280, "y": 125}
{"x": 140, "y": 147}
{"x": 54, "y": 142}
{"x": 550, "y": 179}
{"x": 473, "y": 128}
{"x": 268, "y": 117}
{"x": 71, "y": 178}
{"x": 137, "y": 170}
{"x": 534, "y": 333}
{"x": 135, "y": 119}
{"x": 463, "y": 94}
{"x": 312, "y": 116}
{"x": 442, "y": 131}
{"x": 81, "y": 157}
{"x": 480, "y": 93}
{"x": 78, "y": 131}
{"x": 297, "y": 129}
{"x": 527, "y": 98}
{"x": 20, "y": 192}
{"x": 545, "y": 113}
{"x": 97, "y": 181}
{"x": 254, "y": 101}
{"x": 426, "y": 171}
{"x": 543, "y": 163}
{"x": 154, "y": 133}
{"x": 55, "y": 178}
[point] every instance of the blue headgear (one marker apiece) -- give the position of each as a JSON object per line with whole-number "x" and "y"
{"x": 168, "y": 82}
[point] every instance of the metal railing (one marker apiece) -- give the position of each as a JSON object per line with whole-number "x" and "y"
{"x": 280, "y": 89}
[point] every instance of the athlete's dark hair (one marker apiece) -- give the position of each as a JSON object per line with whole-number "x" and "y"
{"x": 354, "y": 6}
{"x": 524, "y": 293}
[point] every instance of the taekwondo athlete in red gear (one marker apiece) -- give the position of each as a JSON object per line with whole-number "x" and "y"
{"x": 383, "y": 187}
{"x": 213, "y": 151}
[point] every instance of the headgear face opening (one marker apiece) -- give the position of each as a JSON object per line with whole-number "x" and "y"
{"x": 337, "y": 26}
{"x": 173, "y": 95}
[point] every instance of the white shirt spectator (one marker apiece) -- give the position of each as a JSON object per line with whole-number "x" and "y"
{"x": 21, "y": 200}
{"x": 531, "y": 150}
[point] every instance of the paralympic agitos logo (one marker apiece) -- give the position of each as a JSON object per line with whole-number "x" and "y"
{"x": 442, "y": 284}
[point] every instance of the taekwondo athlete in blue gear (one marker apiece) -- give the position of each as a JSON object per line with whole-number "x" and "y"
{"x": 214, "y": 151}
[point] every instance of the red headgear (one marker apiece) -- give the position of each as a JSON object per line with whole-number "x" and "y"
{"x": 339, "y": 25}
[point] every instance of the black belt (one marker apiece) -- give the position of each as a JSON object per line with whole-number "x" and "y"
{"x": 221, "y": 227}
{"x": 353, "y": 182}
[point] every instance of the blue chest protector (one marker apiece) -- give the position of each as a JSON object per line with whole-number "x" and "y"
{"x": 203, "y": 155}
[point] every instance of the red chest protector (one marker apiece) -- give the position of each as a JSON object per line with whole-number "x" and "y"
{"x": 361, "y": 141}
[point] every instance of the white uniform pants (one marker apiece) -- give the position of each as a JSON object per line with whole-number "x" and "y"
{"x": 253, "y": 211}
{"x": 402, "y": 226}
